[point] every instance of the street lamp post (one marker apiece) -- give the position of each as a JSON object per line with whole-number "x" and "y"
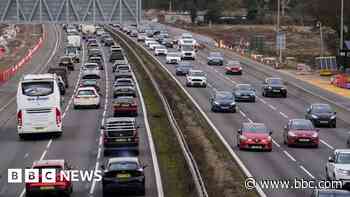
{"x": 342, "y": 25}
{"x": 278, "y": 27}
{"x": 319, "y": 24}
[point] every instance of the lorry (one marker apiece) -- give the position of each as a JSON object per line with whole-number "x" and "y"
{"x": 88, "y": 30}
{"x": 74, "y": 40}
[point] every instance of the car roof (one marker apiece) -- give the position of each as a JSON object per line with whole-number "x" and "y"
{"x": 112, "y": 119}
{"x": 123, "y": 159}
{"x": 223, "y": 92}
{"x": 50, "y": 162}
{"x": 30, "y": 77}
{"x": 342, "y": 150}
{"x": 270, "y": 78}
{"x": 320, "y": 104}
{"x": 246, "y": 124}
{"x": 200, "y": 71}
{"x": 91, "y": 63}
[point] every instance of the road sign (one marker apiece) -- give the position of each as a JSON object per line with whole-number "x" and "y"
{"x": 70, "y": 11}
{"x": 281, "y": 40}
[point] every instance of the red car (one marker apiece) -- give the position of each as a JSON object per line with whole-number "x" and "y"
{"x": 254, "y": 136}
{"x": 60, "y": 187}
{"x": 233, "y": 68}
{"x": 125, "y": 105}
{"x": 301, "y": 132}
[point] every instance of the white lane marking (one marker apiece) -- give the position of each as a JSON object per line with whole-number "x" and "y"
{"x": 249, "y": 120}
{"x": 272, "y": 107}
{"x": 43, "y": 155}
{"x": 277, "y": 144}
{"x": 99, "y": 153}
{"x": 100, "y": 141}
{"x": 307, "y": 172}
{"x": 328, "y": 145}
{"x": 94, "y": 181}
{"x": 242, "y": 113}
{"x": 284, "y": 115}
{"x": 290, "y": 156}
{"x": 262, "y": 100}
{"x": 26, "y": 155}
{"x": 49, "y": 144}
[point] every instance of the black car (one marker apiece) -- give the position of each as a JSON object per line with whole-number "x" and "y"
{"x": 321, "y": 114}
{"x": 123, "y": 174}
{"x": 60, "y": 71}
{"x": 274, "y": 87}
{"x": 167, "y": 43}
{"x": 183, "y": 68}
{"x": 244, "y": 92}
{"x": 107, "y": 41}
{"x": 215, "y": 58}
{"x": 330, "y": 193}
{"x": 223, "y": 101}
{"x": 67, "y": 61}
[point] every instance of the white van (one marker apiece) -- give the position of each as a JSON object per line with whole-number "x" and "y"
{"x": 39, "y": 105}
{"x": 74, "y": 40}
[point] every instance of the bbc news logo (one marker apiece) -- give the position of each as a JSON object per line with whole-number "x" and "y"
{"x": 48, "y": 175}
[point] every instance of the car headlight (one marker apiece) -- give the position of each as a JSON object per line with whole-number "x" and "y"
{"x": 314, "y": 116}
{"x": 283, "y": 88}
{"x": 315, "y": 135}
{"x": 342, "y": 171}
{"x": 242, "y": 137}
{"x": 333, "y": 117}
{"x": 270, "y": 88}
{"x": 269, "y": 138}
{"x": 216, "y": 103}
{"x": 233, "y": 103}
{"x": 291, "y": 134}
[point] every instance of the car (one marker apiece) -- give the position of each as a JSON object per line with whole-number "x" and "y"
{"x": 244, "y": 92}
{"x": 117, "y": 55}
{"x": 123, "y": 82}
{"x": 98, "y": 60}
{"x": 301, "y": 132}
{"x": 321, "y": 114}
{"x": 141, "y": 37}
{"x": 121, "y": 68}
{"x": 167, "y": 42}
{"x": 148, "y": 41}
{"x": 122, "y": 75}
{"x": 338, "y": 166}
{"x": 72, "y": 52}
{"x": 330, "y": 193}
{"x": 115, "y": 47}
{"x": 196, "y": 78}
{"x": 222, "y": 101}
{"x": 86, "y": 97}
{"x": 233, "y": 67}
{"x": 148, "y": 44}
{"x": 153, "y": 46}
{"x": 123, "y": 174}
{"x": 61, "y": 85}
{"x": 160, "y": 50}
{"x": 62, "y": 72}
{"x": 120, "y": 135}
{"x": 95, "y": 52}
{"x": 92, "y": 70}
{"x": 107, "y": 41}
{"x": 67, "y": 62}
{"x": 173, "y": 58}
{"x": 254, "y": 136}
{"x": 182, "y": 68}
{"x": 215, "y": 58}
{"x": 60, "y": 187}
{"x": 124, "y": 91}
{"x": 273, "y": 87}
{"x": 125, "y": 106}
{"x": 133, "y": 33}
{"x": 93, "y": 45}
{"x": 90, "y": 83}
{"x": 188, "y": 52}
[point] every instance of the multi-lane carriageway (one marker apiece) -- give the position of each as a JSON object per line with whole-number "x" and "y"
{"x": 283, "y": 163}
{"x": 80, "y": 143}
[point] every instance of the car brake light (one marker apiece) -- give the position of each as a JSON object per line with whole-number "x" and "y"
{"x": 134, "y": 104}
{"x": 58, "y": 116}
{"x": 20, "y": 118}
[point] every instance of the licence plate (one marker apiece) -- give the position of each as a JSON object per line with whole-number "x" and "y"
{"x": 256, "y": 147}
{"x": 120, "y": 140}
{"x": 304, "y": 140}
{"x": 323, "y": 122}
{"x": 276, "y": 91}
{"x": 47, "y": 188}
{"x": 245, "y": 96}
{"x": 225, "y": 107}
{"x": 125, "y": 105}
{"x": 123, "y": 176}
{"x": 39, "y": 128}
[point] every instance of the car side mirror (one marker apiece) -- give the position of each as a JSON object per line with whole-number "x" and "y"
{"x": 308, "y": 110}
{"x": 239, "y": 131}
{"x": 145, "y": 166}
{"x": 103, "y": 127}
{"x": 330, "y": 160}
{"x": 271, "y": 132}
{"x": 103, "y": 167}
{"x": 335, "y": 112}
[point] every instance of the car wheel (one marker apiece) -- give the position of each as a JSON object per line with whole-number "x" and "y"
{"x": 98, "y": 106}
{"x": 105, "y": 153}
{"x": 28, "y": 194}
{"x": 205, "y": 86}
{"x": 142, "y": 191}
{"x": 240, "y": 73}
{"x": 21, "y": 136}
{"x": 263, "y": 94}
{"x": 213, "y": 109}
{"x": 316, "y": 146}
{"x": 285, "y": 95}
{"x": 253, "y": 100}
{"x": 334, "y": 124}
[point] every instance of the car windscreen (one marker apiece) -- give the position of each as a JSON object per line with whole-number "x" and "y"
{"x": 119, "y": 166}
{"x": 302, "y": 125}
{"x": 224, "y": 96}
{"x": 215, "y": 54}
{"x": 91, "y": 66}
{"x": 275, "y": 81}
{"x": 86, "y": 92}
{"x": 197, "y": 74}
{"x": 187, "y": 47}
{"x": 244, "y": 87}
{"x": 173, "y": 54}
{"x": 42, "y": 88}
{"x": 123, "y": 68}
{"x": 343, "y": 158}
{"x": 321, "y": 109}
{"x": 89, "y": 82}
{"x": 255, "y": 128}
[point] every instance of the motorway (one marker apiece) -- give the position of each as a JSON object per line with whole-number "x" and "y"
{"x": 81, "y": 141}
{"x": 283, "y": 163}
